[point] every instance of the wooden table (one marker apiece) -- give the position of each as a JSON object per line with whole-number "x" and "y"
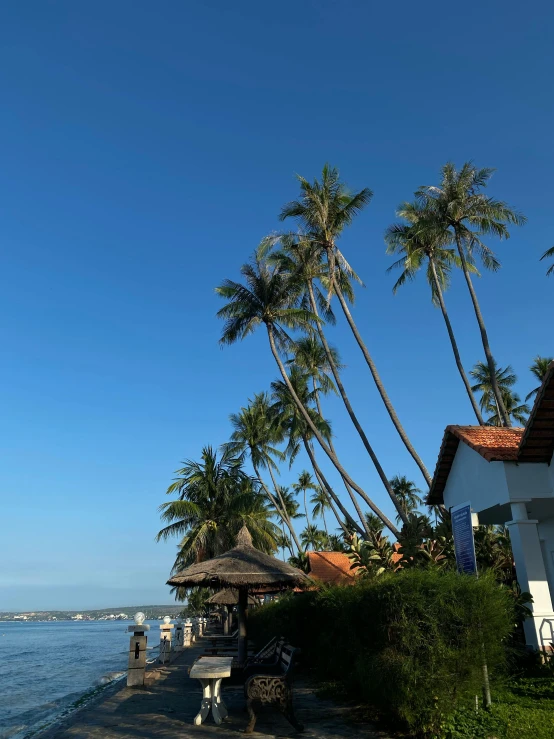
{"x": 210, "y": 671}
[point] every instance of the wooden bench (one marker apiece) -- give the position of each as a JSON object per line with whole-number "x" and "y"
{"x": 272, "y": 684}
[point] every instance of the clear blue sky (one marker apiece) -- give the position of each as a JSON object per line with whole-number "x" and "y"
{"x": 146, "y": 148}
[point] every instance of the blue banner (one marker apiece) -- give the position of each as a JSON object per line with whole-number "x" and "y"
{"x": 464, "y": 543}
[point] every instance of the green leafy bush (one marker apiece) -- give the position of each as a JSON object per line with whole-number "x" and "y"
{"x": 410, "y": 643}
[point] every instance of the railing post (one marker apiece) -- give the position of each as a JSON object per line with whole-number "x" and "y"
{"x": 137, "y": 651}
{"x": 165, "y": 639}
{"x": 187, "y": 634}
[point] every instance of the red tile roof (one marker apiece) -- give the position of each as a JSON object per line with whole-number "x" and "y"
{"x": 493, "y": 443}
{"x": 331, "y": 567}
{"x": 534, "y": 443}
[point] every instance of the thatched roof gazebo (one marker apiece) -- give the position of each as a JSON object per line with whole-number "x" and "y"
{"x": 242, "y": 567}
{"x": 229, "y": 597}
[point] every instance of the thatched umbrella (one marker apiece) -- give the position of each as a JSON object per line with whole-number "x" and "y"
{"x": 228, "y": 598}
{"x": 242, "y": 567}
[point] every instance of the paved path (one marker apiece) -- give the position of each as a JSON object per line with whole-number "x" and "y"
{"x": 166, "y": 707}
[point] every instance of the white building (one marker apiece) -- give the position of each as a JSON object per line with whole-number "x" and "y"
{"x": 508, "y": 476}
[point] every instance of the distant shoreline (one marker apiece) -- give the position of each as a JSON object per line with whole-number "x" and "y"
{"x": 124, "y": 613}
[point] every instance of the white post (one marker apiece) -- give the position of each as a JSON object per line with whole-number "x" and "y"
{"x": 165, "y": 639}
{"x": 137, "y": 652}
{"x": 187, "y": 635}
{"x": 179, "y": 636}
{"x": 531, "y": 576}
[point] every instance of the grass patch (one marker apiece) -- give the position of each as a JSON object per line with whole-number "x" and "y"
{"x": 522, "y": 709}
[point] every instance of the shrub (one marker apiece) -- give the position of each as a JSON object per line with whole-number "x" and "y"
{"x": 409, "y": 643}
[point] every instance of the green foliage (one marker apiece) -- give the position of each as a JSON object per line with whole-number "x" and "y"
{"x": 407, "y": 643}
{"x": 215, "y": 499}
{"x": 549, "y": 253}
{"x": 523, "y": 709}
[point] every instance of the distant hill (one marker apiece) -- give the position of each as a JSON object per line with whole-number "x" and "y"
{"x": 151, "y": 612}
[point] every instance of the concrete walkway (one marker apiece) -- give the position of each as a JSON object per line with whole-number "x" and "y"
{"x": 166, "y": 707}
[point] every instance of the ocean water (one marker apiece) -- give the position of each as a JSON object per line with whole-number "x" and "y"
{"x": 45, "y": 668}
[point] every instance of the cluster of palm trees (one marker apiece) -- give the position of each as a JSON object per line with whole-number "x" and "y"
{"x": 289, "y": 289}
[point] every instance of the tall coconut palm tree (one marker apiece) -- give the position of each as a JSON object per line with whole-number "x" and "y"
{"x": 547, "y": 254}
{"x": 304, "y": 484}
{"x": 320, "y": 502}
{"x": 302, "y": 260}
{"x": 299, "y": 433}
{"x": 407, "y": 492}
{"x": 256, "y": 433}
{"x": 463, "y": 210}
{"x": 270, "y": 298}
{"x": 215, "y": 498}
{"x": 419, "y": 243}
{"x": 310, "y": 356}
{"x": 323, "y": 211}
{"x": 539, "y": 368}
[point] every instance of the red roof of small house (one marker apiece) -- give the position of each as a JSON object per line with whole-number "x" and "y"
{"x": 331, "y": 567}
{"x": 534, "y": 443}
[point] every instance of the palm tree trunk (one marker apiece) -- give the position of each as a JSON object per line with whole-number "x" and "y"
{"x": 306, "y": 509}
{"x": 284, "y": 509}
{"x": 484, "y": 337}
{"x": 322, "y": 481}
{"x": 333, "y": 457}
{"x": 380, "y": 387}
{"x": 459, "y": 364}
{"x": 324, "y": 521}
{"x": 351, "y": 413}
{"x": 280, "y": 508}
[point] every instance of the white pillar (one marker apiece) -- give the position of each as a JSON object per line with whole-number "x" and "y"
{"x": 137, "y": 654}
{"x": 187, "y": 634}
{"x": 531, "y": 576}
{"x": 179, "y": 636}
{"x": 165, "y": 639}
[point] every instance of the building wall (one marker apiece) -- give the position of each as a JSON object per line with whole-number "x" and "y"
{"x": 473, "y": 478}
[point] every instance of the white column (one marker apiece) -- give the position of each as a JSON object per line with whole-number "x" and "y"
{"x": 137, "y": 654}
{"x": 165, "y": 639}
{"x": 179, "y": 637}
{"x": 531, "y": 576}
{"x": 187, "y": 637}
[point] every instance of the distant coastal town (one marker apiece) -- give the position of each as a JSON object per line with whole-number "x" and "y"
{"x": 153, "y": 613}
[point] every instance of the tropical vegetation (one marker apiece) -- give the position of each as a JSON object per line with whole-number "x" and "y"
{"x": 290, "y": 289}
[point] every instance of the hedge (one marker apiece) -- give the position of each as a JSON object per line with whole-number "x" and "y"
{"x": 411, "y": 643}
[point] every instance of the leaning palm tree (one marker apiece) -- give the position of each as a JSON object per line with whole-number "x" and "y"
{"x": 461, "y": 209}
{"x": 419, "y": 243}
{"x": 270, "y": 298}
{"x": 304, "y": 484}
{"x": 547, "y": 254}
{"x": 310, "y": 356}
{"x": 256, "y": 433}
{"x": 407, "y": 492}
{"x": 539, "y": 368}
{"x": 299, "y": 433}
{"x": 302, "y": 261}
{"x": 215, "y": 498}
{"x": 323, "y": 211}
{"x": 320, "y": 502}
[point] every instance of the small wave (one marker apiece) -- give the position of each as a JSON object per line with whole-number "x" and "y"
{"x": 109, "y": 677}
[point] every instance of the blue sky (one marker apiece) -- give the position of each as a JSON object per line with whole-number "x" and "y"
{"x": 146, "y": 150}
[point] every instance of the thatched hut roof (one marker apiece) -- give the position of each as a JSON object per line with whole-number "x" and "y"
{"x": 244, "y": 565}
{"x": 229, "y": 597}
